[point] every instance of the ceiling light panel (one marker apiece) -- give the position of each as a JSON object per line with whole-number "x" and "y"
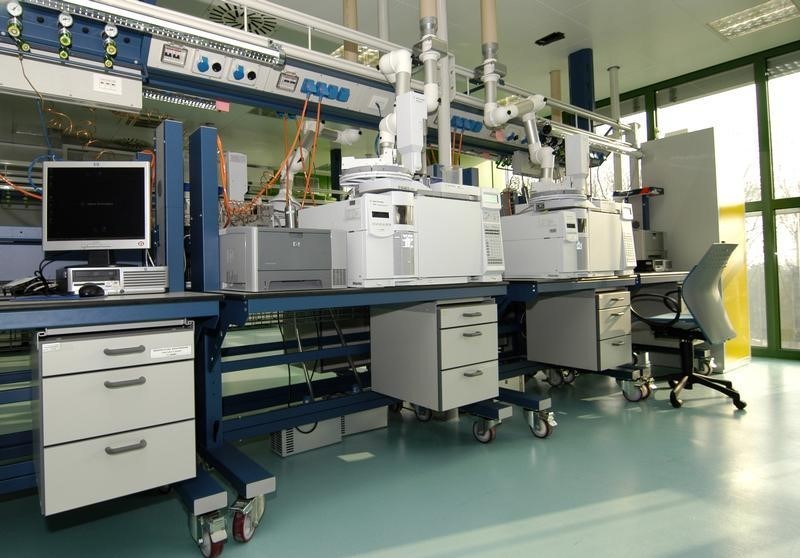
{"x": 756, "y": 18}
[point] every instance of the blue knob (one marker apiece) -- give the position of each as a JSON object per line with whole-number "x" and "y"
{"x": 202, "y": 65}
{"x": 238, "y": 73}
{"x": 344, "y": 94}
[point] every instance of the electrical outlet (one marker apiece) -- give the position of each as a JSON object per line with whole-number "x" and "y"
{"x": 104, "y": 83}
{"x": 244, "y": 73}
{"x": 208, "y": 64}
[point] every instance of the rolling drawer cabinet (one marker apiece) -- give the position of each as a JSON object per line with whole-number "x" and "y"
{"x": 439, "y": 355}
{"x": 114, "y": 413}
{"x": 586, "y": 330}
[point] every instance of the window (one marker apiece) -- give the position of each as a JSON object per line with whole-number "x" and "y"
{"x": 602, "y": 178}
{"x": 727, "y": 103}
{"x": 783, "y": 86}
{"x": 757, "y": 297}
{"x": 787, "y": 229}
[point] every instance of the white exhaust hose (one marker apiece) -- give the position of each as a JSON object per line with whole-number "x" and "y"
{"x": 348, "y": 136}
{"x": 495, "y": 116}
{"x": 429, "y": 58}
{"x": 538, "y": 154}
{"x": 396, "y": 66}
{"x": 387, "y": 130}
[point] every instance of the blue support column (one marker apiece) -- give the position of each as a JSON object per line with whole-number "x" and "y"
{"x": 169, "y": 193}
{"x": 208, "y": 386}
{"x": 204, "y": 202}
{"x": 581, "y": 82}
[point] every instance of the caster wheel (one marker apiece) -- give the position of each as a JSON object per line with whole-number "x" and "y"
{"x": 245, "y": 523}
{"x": 554, "y": 377}
{"x": 739, "y": 404}
{"x": 396, "y": 407}
{"x": 164, "y": 489}
{"x": 674, "y": 401}
{"x": 541, "y": 429}
{"x": 483, "y": 435}
{"x": 211, "y": 549}
{"x": 568, "y": 376}
{"x": 648, "y": 391}
{"x": 639, "y": 393}
{"x": 243, "y": 527}
{"x": 423, "y": 413}
{"x": 705, "y": 368}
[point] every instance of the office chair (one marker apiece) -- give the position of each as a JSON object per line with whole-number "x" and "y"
{"x": 706, "y": 320}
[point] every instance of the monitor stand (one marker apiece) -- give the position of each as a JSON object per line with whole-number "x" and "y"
{"x": 99, "y": 258}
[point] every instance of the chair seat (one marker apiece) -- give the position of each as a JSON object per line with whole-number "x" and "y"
{"x": 686, "y": 320}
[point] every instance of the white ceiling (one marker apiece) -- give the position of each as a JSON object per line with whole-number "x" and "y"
{"x": 651, "y": 40}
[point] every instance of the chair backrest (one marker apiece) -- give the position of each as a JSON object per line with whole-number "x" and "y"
{"x": 702, "y": 295}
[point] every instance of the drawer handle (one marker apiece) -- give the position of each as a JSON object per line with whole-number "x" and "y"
{"x": 618, "y": 314}
{"x": 618, "y": 343}
{"x": 124, "y": 351}
{"x": 473, "y": 334}
{"x": 472, "y": 314}
{"x": 474, "y": 374}
{"x": 125, "y": 383}
{"x": 615, "y": 299}
{"x": 141, "y": 444}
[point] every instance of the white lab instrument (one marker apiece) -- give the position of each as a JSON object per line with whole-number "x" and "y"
{"x": 563, "y": 233}
{"x": 381, "y": 236}
{"x": 591, "y": 240}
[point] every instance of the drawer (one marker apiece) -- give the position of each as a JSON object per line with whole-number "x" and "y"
{"x": 67, "y": 355}
{"x": 612, "y": 299}
{"x": 457, "y": 315}
{"x": 83, "y": 473}
{"x": 461, "y": 346}
{"x": 469, "y": 384}
{"x": 614, "y": 352}
{"x": 93, "y": 404}
{"x": 613, "y": 322}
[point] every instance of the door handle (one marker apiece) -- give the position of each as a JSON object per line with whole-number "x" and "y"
{"x": 125, "y": 383}
{"x": 473, "y": 334}
{"x": 124, "y": 351}
{"x": 474, "y": 374}
{"x": 141, "y": 444}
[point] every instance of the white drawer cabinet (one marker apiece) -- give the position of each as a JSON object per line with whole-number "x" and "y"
{"x": 440, "y": 355}
{"x": 586, "y": 330}
{"x": 115, "y": 411}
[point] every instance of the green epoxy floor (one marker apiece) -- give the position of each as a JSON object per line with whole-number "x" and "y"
{"x": 616, "y": 479}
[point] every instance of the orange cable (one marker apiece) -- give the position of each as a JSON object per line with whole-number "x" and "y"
{"x": 285, "y": 160}
{"x": 226, "y": 202}
{"x": 313, "y": 154}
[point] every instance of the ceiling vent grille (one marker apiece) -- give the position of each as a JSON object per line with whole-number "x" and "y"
{"x": 233, "y": 15}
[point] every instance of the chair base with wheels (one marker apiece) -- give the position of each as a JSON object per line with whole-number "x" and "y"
{"x": 689, "y": 376}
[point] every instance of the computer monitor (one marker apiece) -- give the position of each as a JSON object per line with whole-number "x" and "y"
{"x": 96, "y": 206}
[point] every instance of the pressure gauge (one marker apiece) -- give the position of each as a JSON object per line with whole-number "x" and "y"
{"x": 110, "y": 30}
{"x": 65, "y": 19}
{"x": 14, "y": 9}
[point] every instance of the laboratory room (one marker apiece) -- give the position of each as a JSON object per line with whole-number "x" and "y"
{"x": 391, "y": 278}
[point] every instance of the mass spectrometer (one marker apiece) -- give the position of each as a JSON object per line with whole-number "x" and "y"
{"x": 563, "y": 232}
